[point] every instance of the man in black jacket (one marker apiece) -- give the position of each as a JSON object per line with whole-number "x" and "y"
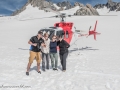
{"x": 35, "y": 42}
{"x": 63, "y": 45}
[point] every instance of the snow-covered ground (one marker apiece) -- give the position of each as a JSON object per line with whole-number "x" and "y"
{"x": 96, "y": 68}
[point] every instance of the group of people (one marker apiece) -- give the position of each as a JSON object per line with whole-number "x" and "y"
{"x": 42, "y": 48}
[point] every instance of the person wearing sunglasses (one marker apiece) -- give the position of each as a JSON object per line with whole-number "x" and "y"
{"x": 36, "y": 42}
{"x": 45, "y": 51}
{"x": 53, "y": 53}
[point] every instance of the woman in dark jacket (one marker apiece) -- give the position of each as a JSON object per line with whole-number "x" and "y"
{"x": 63, "y": 45}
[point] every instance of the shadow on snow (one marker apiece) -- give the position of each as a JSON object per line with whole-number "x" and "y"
{"x": 81, "y": 49}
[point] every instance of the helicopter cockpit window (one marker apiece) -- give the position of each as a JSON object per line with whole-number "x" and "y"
{"x": 59, "y": 33}
{"x": 57, "y": 25}
{"x": 51, "y": 32}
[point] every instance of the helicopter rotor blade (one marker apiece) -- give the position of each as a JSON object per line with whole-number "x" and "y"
{"x": 49, "y": 9}
{"x": 59, "y": 14}
{"x": 36, "y": 18}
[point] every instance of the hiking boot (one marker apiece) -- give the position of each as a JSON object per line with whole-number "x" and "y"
{"x": 64, "y": 70}
{"x": 53, "y": 68}
{"x": 56, "y": 69}
{"x": 44, "y": 70}
{"x": 39, "y": 72}
{"x": 27, "y": 73}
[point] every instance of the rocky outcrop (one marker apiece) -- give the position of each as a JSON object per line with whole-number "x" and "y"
{"x": 86, "y": 10}
{"x": 40, "y": 3}
{"x": 20, "y": 10}
{"x": 78, "y": 4}
{"x": 118, "y": 9}
{"x": 93, "y": 11}
{"x": 112, "y": 6}
{"x": 65, "y": 4}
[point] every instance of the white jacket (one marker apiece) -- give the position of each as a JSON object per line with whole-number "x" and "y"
{"x": 47, "y": 48}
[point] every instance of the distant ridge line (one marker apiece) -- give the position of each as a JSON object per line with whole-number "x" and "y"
{"x": 96, "y": 15}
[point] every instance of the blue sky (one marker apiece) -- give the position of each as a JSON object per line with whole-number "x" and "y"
{"x": 9, "y": 6}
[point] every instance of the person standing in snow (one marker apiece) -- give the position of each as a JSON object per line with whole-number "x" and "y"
{"x": 63, "y": 45}
{"x": 45, "y": 51}
{"x": 36, "y": 42}
{"x": 53, "y": 53}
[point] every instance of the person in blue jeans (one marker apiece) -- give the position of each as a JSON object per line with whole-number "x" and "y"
{"x": 45, "y": 51}
{"x": 53, "y": 53}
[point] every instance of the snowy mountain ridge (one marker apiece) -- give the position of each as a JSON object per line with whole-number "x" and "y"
{"x": 65, "y": 5}
{"x": 112, "y": 6}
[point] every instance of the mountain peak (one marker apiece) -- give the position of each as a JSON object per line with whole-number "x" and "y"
{"x": 66, "y": 4}
{"x": 112, "y": 6}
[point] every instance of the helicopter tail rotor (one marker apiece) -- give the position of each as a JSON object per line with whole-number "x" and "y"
{"x": 93, "y": 32}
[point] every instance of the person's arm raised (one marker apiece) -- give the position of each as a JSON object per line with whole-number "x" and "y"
{"x": 43, "y": 45}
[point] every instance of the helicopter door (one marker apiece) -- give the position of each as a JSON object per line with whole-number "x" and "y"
{"x": 65, "y": 34}
{"x": 50, "y": 31}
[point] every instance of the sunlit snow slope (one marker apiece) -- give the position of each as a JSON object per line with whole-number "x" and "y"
{"x": 106, "y": 11}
